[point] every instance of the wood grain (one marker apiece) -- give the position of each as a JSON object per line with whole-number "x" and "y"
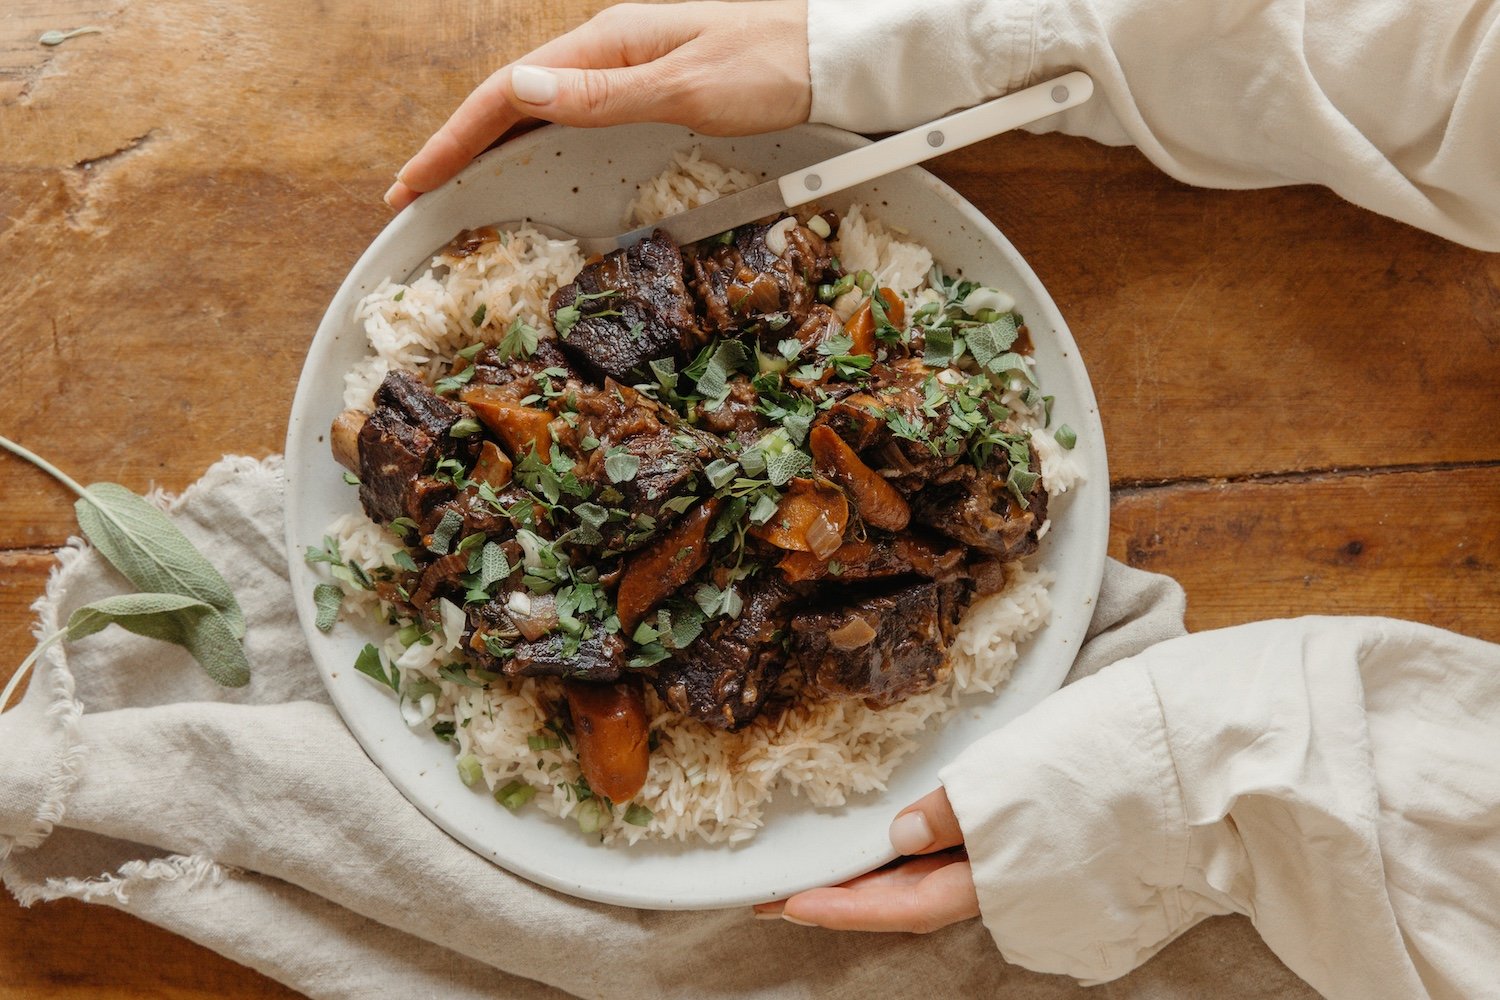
{"x": 74, "y": 951}
{"x": 1300, "y": 397}
{"x": 1402, "y": 544}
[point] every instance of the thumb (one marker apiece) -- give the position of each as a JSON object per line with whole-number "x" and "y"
{"x": 591, "y": 97}
{"x": 926, "y": 825}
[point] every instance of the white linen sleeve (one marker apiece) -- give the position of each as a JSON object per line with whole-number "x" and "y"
{"x": 1334, "y": 779}
{"x": 1394, "y": 104}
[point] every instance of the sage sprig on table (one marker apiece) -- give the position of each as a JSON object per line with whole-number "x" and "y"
{"x": 185, "y": 600}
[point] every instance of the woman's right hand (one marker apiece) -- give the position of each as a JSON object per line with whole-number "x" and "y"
{"x": 718, "y": 68}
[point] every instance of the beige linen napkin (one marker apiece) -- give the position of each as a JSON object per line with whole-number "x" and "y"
{"x": 250, "y": 821}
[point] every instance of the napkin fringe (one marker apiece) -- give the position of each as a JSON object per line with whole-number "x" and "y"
{"x": 193, "y": 870}
{"x": 219, "y": 475}
{"x": 64, "y": 710}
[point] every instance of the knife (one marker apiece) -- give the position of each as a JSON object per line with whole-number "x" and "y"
{"x": 857, "y": 166}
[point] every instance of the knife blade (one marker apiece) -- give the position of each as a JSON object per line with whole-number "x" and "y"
{"x": 715, "y": 217}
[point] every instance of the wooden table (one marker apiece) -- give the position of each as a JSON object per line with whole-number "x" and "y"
{"x": 1300, "y": 397}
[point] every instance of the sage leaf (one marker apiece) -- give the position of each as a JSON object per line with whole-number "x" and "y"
{"x": 782, "y": 469}
{"x": 493, "y": 566}
{"x": 144, "y": 545}
{"x": 621, "y": 466}
{"x": 328, "y": 598}
{"x": 192, "y": 624}
{"x": 989, "y": 341}
{"x": 130, "y": 611}
{"x": 442, "y": 535}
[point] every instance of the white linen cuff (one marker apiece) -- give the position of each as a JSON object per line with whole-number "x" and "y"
{"x": 1075, "y": 828}
{"x": 881, "y": 65}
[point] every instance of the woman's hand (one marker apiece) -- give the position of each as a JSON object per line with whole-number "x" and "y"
{"x": 718, "y": 68}
{"x": 918, "y": 895}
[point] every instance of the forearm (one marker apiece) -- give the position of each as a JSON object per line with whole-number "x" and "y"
{"x": 1391, "y": 104}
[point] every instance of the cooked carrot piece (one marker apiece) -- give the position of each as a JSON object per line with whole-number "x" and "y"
{"x": 861, "y": 326}
{"x": 655, "y": 572}
{"x": 812, "y": 517}
{"x": 861, "y": 329}
{"x": 611, "y": 734}
{"x": 493, "y": 467}
{"x": 798, "y": 567}
{"x": 521, "y": 428}
{"x": 877, "y": 501}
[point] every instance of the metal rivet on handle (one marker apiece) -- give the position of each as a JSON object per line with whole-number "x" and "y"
{"x": 934, "y": 138}
{"x": 812, "y": 182}
{"x": 1059, "y": 93}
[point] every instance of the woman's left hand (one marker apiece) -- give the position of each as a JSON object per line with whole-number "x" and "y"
{"x": 917, "y": 895}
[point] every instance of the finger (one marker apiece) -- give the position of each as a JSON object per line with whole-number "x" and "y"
{"x": 481, "y": 119}
{"x": 942, "y": 897}
{"x": 926, "y": 825}
{"x": 617, "y": 36}
{"x": 398, "y": 196}
{"x": 906, "y": 871}
{"x": 903, "y": 873}
{"x": 597, "y": 97}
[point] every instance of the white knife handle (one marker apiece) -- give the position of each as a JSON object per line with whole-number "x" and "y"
{"x": 935, "y": 138}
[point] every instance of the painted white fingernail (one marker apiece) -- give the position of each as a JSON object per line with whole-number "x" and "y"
{"x": 799, "y": 923}
{"x": 911, "y": 833}
{"x": 533, "y": 84}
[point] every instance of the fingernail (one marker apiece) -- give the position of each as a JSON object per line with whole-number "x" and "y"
{"x": 390, "y": 193}
{"x": 533, "y": 84}
{"x": 911, "y": 833}
{"x": 800, "y": 923}
{"x": 401, "y": 174}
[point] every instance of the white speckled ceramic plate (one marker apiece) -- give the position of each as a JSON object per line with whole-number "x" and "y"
{"x": 581, "y": 181}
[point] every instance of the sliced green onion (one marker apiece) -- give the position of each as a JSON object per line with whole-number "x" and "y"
{"x": 469, "y": 771}
{"x": 1066, "y": 437}
{"x": 819, "y": 225}
{"x": 539, "y": 743}
{"x": 409, "y": 634}
{"x": 865, "y": 280}
{"x": 826, "y": 293}
{"x": 638, "y": 815}
{"x": 514, "y": 795}
{"x": 591, "y": 815}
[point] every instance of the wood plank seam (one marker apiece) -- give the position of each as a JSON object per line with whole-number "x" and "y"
{"x": 1132, "y": 487}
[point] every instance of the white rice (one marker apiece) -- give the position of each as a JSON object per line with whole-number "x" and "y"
{"x": 703, "y": 783}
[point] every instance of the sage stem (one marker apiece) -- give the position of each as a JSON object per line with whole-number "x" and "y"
{"x": 25, "y": 667}
{"x": 44, "y": 465}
